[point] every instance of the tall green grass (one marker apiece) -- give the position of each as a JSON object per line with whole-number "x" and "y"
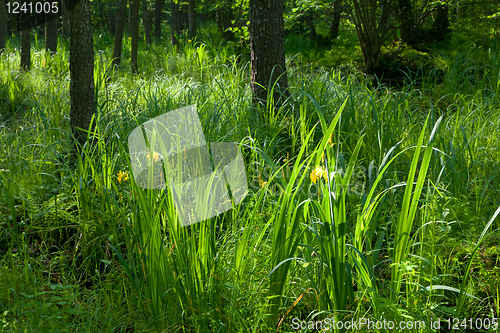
{"x": 347, "y": 246}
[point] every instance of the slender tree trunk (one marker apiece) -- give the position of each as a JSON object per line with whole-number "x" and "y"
{"x": 337, "y": 12}
{"x": 129, "y": 19}
{"x": 81, "y": 68}
{"x": 135, "y": 35}
{"x": 371, "y": 20}
{"x": 25, "y": 42}
{"x": 192, "y": 18}
{"x": 406, "y": 21}
{"x": 158, "y": 8}
{"x": 267, "y": 50}
{"x": 3, "y": 24}
{"x": 225, "y": 16}
{"x": 112, "y": 19}
{"x": 119, "y": 29}
{"x": 184, "y": 17}
{"x": 146, "y": 17}
{"x": 175, "y": 22}
{"x": 309, "y": 21}
{"x": 102, "y": 11}
{"x": 65, "y": 20}
{"x": 51, "y": 33}
{"x": 442, "y": 23}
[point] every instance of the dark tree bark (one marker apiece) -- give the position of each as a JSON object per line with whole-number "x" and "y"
{"x": 112, "y": 18}
{"x": 225, "y": 15}
{"x": 192, "y": 18}
{"x": 135, "y": 35}
{"x": 184, "y": 16}
{"x": 335, "y": 24}
{"x": 81, "y": 68}
{"x": 406, "y": 21}
{"x": 3, "y": 24}
{"x": 129, "y": 18}
{"x": 267, "y": 49}
{"x": 309, "y": 23}
{"x": 25, "y": 42}
{"x": 441, "y": 25}
{"x": 102, "y": 11}
{"x": 371, "y": 20}
{"x": 51, "y": 33}
{"x": 158, "y": 8}
{"x": 146, "y": 18}
{"x": 65, "y": 20}
{"x": 175, "y": 22}
{"x": 119, "y": 29}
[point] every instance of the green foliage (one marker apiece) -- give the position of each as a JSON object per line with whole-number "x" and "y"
{"x": 82, "y": 251}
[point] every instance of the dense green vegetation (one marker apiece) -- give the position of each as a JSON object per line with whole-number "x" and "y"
{"x": 85, "y": 250}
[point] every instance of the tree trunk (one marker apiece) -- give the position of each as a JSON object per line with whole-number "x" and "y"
{"x": 225, "y": 16}
{"x": 175, "y": 22}
{"x": 112, "y": 19}
{"x": 442, "y": 24}
{"x": 146, "y": 18}
{"x": 192, "y": 18}
{"x": 51, "y": 33}
{"x": 65, "y": 20}
{"x": 309, "y": 22}
{"x": 335, "y": 24}
{"x": 406, "y": 21}
{"x": 102, "y": 11}
{"x": 3, "y": 24}
{"x": 129, "y": 19}
{"x": 267, "y": 50}
{"x": 119, "y": 29}
{"x": 81, "y": 68}
{"x": 158, "y": 8}
{"x": 25, "y": 42}
{"x": 135, "y": 35}
{"x": 371, "y": 20}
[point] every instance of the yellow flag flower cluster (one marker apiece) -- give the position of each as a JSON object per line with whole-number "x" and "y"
{"x": 317, "y": 174}
{"x": 156, "y": 156}
{"x": 122, "y": 176}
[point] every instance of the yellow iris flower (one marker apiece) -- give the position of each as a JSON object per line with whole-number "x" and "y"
{"x": 122, "y": 176}
{"x": 317, "y": 174}
{"x": 155, "y": 156}
{"x": 261, "y": 182}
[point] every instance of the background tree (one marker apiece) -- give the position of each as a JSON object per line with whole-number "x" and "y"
{"x": 119, "y": 29}
{"x": 371, "y": 20}
{"x": 192, "y": 18}
{"x": 135, "y": 35}
{"x": 65, "y": 19}
{"x": 3, "y": 24}
{"x": 337, "y": 9}
{"x": 25, "y": 42}
{"x": 146, "y": 20}
{"x": 225, "y": 16}
{"x": 158, "y": 19}
{"x": 407, "y": 22}
{"x": 112, "y": 12}
{"x": 175, "y": 22}
{"x": 81, "y": 68}
{"x": 441, "y": 23}
{"x": 267, "y": 49}
{"x": 51, "y": 33}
